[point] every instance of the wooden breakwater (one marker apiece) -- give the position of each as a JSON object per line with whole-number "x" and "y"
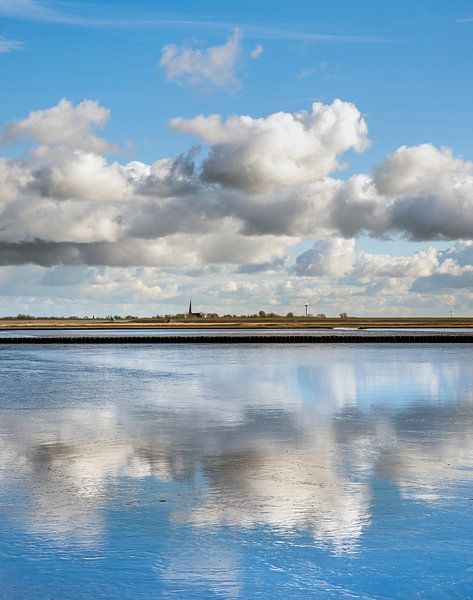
{"x": 431, "y": 338}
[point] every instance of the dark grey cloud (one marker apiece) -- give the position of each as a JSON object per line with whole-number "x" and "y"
{"x": 274, "y": 265}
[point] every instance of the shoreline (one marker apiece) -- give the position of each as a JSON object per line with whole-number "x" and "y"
{"x": 435, "y": 338}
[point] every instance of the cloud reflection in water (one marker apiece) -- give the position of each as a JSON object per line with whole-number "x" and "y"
{"x": 282, "y": 437}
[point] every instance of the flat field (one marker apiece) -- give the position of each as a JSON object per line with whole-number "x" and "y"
{"x": 242, "y": 322}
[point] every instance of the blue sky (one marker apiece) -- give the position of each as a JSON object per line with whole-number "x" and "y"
{"x": 405, "y": 66}
{"x": 412, "y": 80}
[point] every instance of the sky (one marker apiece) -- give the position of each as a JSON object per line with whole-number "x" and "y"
{"x": 254, "y": 156}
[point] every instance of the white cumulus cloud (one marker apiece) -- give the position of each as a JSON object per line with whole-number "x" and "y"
{"x": 63, "y": 124}
{"x": 281, "y": 149}
{"x": 338, "y": 258}
{"x": 431, "y": 192}
{"x": 333, "y": 257}
{"x": 215, "y": 66}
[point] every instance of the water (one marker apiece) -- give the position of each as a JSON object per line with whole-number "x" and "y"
{"x": 252, "y": 471}
{"x": 203, "y": 332}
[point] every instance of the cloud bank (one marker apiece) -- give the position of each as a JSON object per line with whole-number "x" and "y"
{"x": 63, "y": 202}
{"x": 255, "y": 188}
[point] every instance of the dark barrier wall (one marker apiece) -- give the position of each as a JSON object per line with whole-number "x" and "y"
{"x": 253, "y": 339}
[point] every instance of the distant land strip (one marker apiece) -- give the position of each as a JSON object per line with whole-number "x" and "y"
{"x": 236, "y": 323}
{"x": 247, "y": 339}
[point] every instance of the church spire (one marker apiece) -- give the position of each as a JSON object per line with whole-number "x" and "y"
{"x": 190, "y": 307}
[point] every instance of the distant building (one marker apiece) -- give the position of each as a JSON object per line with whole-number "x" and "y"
{"x": 193, "y": 314}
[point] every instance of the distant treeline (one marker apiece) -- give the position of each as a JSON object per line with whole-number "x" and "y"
{"x": 24, "y": 317}
{"x": 179, "y": 316}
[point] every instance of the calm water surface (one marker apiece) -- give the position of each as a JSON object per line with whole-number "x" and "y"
{"x": 236, "y": 471}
